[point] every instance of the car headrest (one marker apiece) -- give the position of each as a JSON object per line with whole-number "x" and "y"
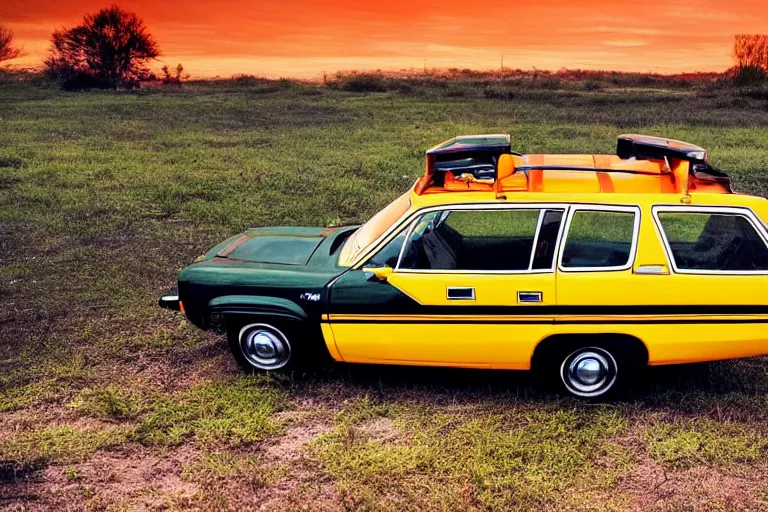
{"x": 505, "y": 167}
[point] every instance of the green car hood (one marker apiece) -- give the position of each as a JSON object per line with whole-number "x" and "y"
{"x": 285, "y": 246}
{"x": 293, "y": 246}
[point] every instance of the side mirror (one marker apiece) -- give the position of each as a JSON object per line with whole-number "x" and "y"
{"x": 380, "y": 273}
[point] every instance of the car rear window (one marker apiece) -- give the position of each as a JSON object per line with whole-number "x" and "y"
{"x": 714, "y": 242}
{"x": 599, "y": 239}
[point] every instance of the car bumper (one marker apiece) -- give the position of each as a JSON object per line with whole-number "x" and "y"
{"x": 170, "y": 300}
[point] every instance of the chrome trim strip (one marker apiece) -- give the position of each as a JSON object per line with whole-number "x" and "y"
{"x": 452, "y": 271}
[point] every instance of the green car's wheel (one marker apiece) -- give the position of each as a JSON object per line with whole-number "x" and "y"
{"x": 259, "y": 347}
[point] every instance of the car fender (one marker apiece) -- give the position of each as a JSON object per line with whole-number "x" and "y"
{"x": 258, "y": 304}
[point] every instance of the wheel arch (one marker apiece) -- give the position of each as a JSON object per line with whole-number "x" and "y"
{"x": 303, "y": 332}
{"x": 555, "y": 344}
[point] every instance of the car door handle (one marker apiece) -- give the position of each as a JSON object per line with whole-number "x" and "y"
{"x": 460, "y": 293}
{"x": 529, "y": 297}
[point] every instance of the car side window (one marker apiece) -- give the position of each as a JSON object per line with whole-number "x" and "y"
{"x": 472, "y": 240}
{"x": 714, "y": 242}
{"x": 598, "y": 239}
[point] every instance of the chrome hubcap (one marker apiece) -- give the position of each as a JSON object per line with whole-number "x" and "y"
{"x": 589, "y": 372}
{"x": 264, "y": 346}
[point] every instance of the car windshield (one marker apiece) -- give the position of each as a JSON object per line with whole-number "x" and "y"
{"x": 373, "y": 229}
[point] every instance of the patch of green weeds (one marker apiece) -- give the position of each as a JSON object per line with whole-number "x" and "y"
{"x": 689, "y": 443}
{"x": 518, "y": 459}
{"x": 365, "y": 409}
{"x": 61, "y": 444}
{"x": 228, "y": 412}
{"x": 43, "y": 383}
{"x": 212, "y": 469}
{"x": 109, "y": 402}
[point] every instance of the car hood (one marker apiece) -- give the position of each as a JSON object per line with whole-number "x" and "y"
{"x": 291, "y": 246}
{"x": 285, "y": 246}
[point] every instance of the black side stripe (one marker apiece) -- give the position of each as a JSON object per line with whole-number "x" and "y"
{"x": 557, "y": 322}
{"x": 528, "y": 310}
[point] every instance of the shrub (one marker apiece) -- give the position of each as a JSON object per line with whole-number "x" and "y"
{"x": 749, "y": 75}
{"x": 71, "y": 78}
{"x": 362, "y": 83}
{"x": 172, "y": 79}
{"x": 498, "y": 94}
{"x": 592, "y": 85}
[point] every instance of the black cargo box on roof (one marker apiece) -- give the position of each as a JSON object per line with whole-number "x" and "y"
{"x": 474, "y": 154}
{"x": 645, "y": 147}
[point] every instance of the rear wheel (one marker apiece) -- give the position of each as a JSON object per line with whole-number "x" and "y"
{"x": 590, "y": 367}
{"x": 589, "y": 372}
{"x": 260, "y": 347}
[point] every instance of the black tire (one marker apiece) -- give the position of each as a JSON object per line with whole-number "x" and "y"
{"x": 262, "y": 345}
{"x": 597, "y": 370}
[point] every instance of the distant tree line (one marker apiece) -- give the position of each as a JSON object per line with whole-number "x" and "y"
{"x": 111, "y": 49}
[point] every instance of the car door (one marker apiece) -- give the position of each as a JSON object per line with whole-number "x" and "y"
{"x": 470, "y": 286}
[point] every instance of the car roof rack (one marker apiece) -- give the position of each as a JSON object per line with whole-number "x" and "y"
{"x": 474, "y": 162}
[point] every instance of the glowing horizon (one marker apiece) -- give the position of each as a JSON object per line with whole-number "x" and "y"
{"x": 304, "y": 39}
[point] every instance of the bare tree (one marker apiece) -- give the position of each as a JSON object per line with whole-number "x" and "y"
{"x": 174, "y": 78}
{"x": 751, "y": 51}
{"x": 108, "y": 49}
{"x": 7, "y": 50}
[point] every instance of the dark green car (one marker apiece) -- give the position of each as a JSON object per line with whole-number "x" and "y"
{"x": 266, "y": 286}
{"x": 270, "y": 287}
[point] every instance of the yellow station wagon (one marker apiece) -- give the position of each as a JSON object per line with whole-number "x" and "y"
{"x": 586, "y": 268}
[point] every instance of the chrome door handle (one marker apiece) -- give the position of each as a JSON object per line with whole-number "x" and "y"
{"x": 460, "y": 293}
{"x": 529, "y": 297}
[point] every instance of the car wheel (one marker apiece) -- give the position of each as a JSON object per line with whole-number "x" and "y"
{"x": 590, "y": 372}
{"x": 260, "y": 347}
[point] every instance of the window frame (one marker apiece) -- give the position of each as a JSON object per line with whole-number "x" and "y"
{"x": 634, "y": 209}
{"x": 745, "y": 212}
{"x": 542, "y": 207}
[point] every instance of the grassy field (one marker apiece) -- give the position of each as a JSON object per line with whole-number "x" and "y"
{"x": 109, "y": 403}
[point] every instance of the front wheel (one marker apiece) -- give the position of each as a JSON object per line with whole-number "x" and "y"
{"x": 259, "y": 347}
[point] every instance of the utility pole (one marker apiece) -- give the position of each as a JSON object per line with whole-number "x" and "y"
{"x": 502, "y": 63}
{"x": 425, "y": 65}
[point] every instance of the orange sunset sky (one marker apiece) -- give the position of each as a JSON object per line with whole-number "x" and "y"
{"x": 303, "y": 38}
